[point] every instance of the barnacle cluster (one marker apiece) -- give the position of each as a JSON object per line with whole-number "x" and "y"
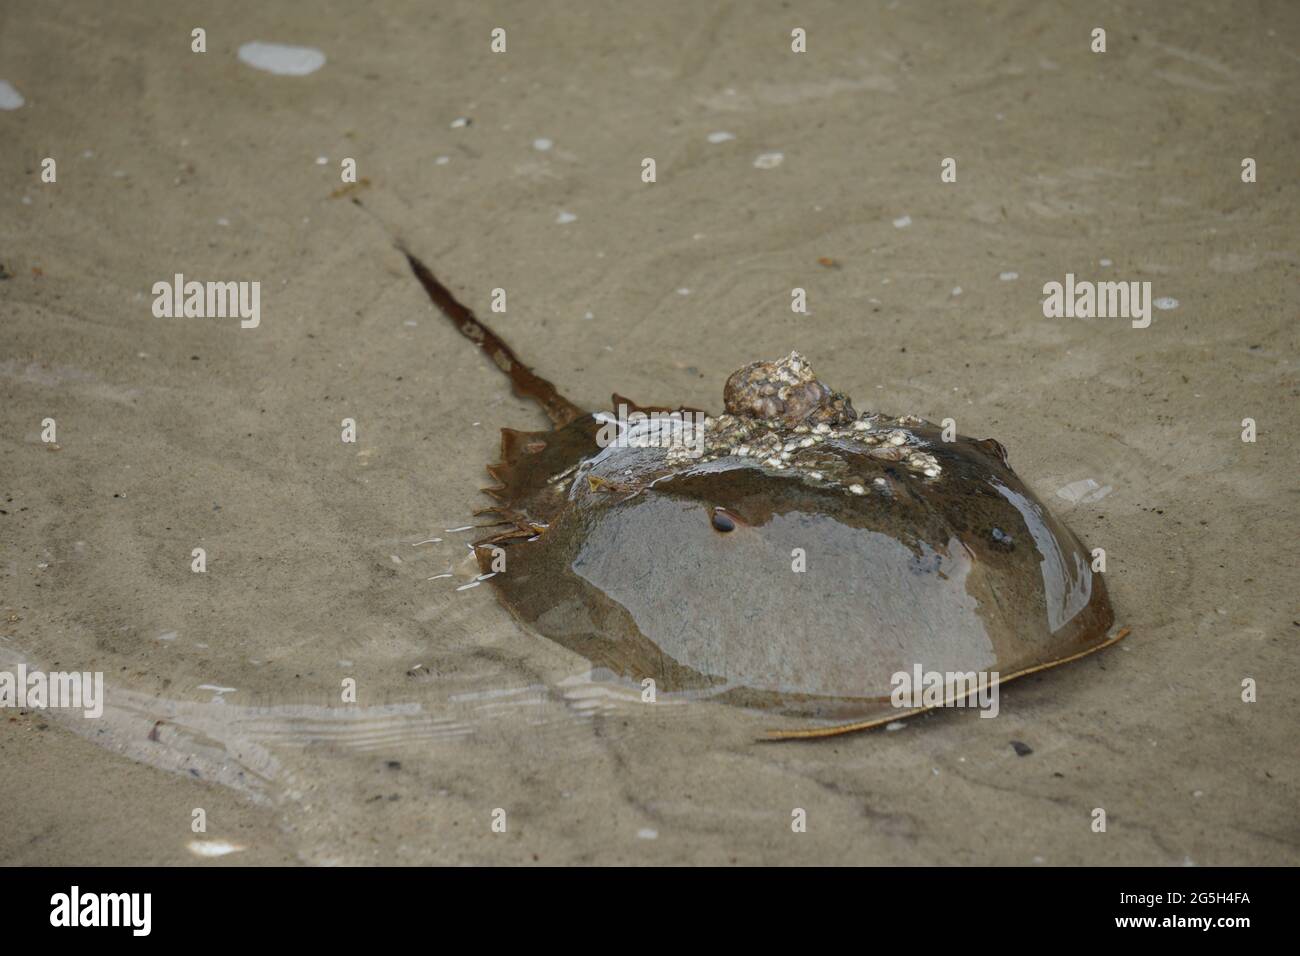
{"x": 785, "y": 391}
{"x": 780, "y": 415}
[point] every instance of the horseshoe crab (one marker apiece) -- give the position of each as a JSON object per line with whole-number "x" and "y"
{"x": 788, "y": 554}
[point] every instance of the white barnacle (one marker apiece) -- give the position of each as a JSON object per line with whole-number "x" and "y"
{"x": 897, "y": 437}
{"x": 925, "y": 463}
{"x": 857, "y": 489}
{"x": 822, "y": 429}
{"x": 807, "y": 443}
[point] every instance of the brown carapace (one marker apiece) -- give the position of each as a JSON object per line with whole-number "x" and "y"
{"x": 788, "y": 554}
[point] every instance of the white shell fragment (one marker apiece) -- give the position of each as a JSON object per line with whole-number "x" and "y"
{"x": 282, "y": 60}
{"x": 10, "y": 98}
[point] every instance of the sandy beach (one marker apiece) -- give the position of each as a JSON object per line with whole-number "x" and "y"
{"x": 522, "y": 171}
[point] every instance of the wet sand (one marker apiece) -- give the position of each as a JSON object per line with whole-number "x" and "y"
{"x": 224, "y": 688}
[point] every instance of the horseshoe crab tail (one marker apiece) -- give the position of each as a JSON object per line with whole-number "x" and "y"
{"x": 559, "y": 409}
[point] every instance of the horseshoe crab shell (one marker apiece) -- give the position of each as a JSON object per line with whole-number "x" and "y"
{"x": 788, "y": 554}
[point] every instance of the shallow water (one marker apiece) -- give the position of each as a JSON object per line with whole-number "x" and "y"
{"x": 175, "y": 434}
